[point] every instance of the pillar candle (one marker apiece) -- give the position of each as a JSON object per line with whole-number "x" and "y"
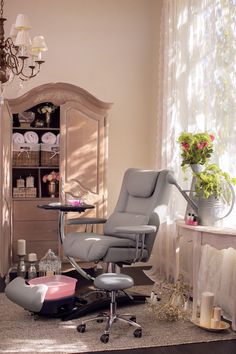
{"x": 32, "y": 257}
{"x": 21, "y": 247}
{"x": 215, "y": 323}
{"x": 30, "y": 181}
{"x": 206, "y": 308}
{"x": 217, "y": 313}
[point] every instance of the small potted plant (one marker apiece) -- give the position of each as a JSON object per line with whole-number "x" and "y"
{"x": 196, "y": 149}
{"x": 214, "y": 191}
{"x": 212, "y": 181}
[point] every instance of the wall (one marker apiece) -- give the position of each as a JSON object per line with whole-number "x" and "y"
{"x": 109, "y": 48}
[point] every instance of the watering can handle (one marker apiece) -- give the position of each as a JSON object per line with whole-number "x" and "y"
{"x": 232, "y": 202}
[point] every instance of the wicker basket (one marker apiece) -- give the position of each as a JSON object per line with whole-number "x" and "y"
{"x": 26, "y": 154}
{"x": 49, "y": 155}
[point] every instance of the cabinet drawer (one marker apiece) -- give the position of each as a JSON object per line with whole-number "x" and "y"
{"x": 28, "y": 210}
{"x": 35, "y": 230}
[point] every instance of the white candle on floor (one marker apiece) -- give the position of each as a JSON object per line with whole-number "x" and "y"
{"x": 217, "y": 313}
{"x": 206, "y": 308}
{"x": 215, "y": 323}
{"x": 21, "y": 247}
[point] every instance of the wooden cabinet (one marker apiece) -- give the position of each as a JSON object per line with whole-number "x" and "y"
{"x": 82, "y": 124}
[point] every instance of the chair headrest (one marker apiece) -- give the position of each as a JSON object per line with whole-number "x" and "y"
{"x": 141, "y": 183}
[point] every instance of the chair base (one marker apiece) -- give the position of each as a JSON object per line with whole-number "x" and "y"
{"x": 111, "y": 318}
{"x": 95, "y": 302}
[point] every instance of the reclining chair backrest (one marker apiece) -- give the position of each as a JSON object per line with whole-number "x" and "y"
{"x": 143, "y": 200}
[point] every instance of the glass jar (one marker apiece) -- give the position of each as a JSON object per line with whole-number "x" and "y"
{"x": 32, "y": 271}
{"x": 49, "y": 265}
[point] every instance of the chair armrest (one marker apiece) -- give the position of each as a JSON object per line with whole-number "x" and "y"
{"x": 141, "y": 229}
{"x": 86, "y": 221}
{"x": 139, "y": 233}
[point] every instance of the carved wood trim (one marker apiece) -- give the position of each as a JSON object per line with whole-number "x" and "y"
{"x": 58, "y": 93}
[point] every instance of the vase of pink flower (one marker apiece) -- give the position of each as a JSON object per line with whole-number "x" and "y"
{"x": 196, "y": 149}
{"x": 52, "y": 180}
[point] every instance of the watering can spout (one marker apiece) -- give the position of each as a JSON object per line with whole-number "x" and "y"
{"x": 172, "y": 180}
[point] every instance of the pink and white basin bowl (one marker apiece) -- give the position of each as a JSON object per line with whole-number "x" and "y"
{"x": 59, "y": 286}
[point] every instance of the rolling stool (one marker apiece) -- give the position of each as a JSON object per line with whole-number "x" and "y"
{"x": 112, "y": 282}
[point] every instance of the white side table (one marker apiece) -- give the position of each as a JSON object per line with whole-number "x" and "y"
{"x": 217, "y": 237}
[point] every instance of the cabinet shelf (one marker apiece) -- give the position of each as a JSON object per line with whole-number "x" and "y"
{"x": 33, "y": 128}
{"x": 35, "y": 167}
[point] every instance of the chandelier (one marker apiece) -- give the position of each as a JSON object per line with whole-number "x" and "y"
{"x": 18, "y": 55}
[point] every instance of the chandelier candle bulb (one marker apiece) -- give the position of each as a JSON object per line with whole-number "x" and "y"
{"x": 32, "y": 257}
{"x": 206, "y": 308}
{"x": 21, "y": 247}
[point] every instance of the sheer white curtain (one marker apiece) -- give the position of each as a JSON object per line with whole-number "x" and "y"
{"x": 198, "y": 70}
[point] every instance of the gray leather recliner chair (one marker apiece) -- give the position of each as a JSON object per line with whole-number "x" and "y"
{"x": 130, "y": 231}
{"x": 142, "y": 201}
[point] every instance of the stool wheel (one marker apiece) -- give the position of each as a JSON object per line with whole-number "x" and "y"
{"x": 138, "y": 333}
{"x": 81, "y": 328}
{"x": 100, "y": 320}
{"x": 133, "y": 318}
{"x": 104, "y": 338}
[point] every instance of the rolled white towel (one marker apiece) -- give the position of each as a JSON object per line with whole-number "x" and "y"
{"x": 49, "y": 138}
{"x": 18, "y": 138}
{"x": 58, "y": 139}
{"x": 31, "y": 137}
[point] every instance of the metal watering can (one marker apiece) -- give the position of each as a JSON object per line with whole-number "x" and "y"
{"x": 209, "y": 211}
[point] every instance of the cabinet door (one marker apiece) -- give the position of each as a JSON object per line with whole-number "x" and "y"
{"x": 82, "y": 158}
{"x": 186, "y": 255}
{"x": 5, "y": 190}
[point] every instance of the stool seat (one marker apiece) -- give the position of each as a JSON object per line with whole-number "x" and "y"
{"x": 113, "y": 281}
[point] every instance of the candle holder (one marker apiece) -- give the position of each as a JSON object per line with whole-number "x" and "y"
{"x": 32, "y": 271}
{"x": 21, "y": 269}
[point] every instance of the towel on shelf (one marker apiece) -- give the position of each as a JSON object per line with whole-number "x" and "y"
{"x": 49, "y": 138}
{"x": 31, "y": 137}
{"x": 18, "y": 138}
{"x": 58, "y": 139}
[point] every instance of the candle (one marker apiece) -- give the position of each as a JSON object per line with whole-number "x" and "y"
{"x": 207, "y": 301}
{"x": 20, "y": 183}
{"x": 215, "y": 323}
{"x": 30, "y": 181}
{"x": 32, "y": 257}
{"x": 21, "y": 246}
{"x": 217, "y": 313}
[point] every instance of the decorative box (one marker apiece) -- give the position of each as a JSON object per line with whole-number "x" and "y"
{"x": 25, "y": 192}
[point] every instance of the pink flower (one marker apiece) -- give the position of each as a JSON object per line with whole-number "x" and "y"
{"x": 52, "y": 176}
{"x": 185, "y": 146}
{"x": 45, "y": 178}
{"x": 212, "y": 137}
{"x": 202, "y": 145}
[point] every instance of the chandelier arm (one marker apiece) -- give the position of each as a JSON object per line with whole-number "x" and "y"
{"x": 25, "y": 77}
